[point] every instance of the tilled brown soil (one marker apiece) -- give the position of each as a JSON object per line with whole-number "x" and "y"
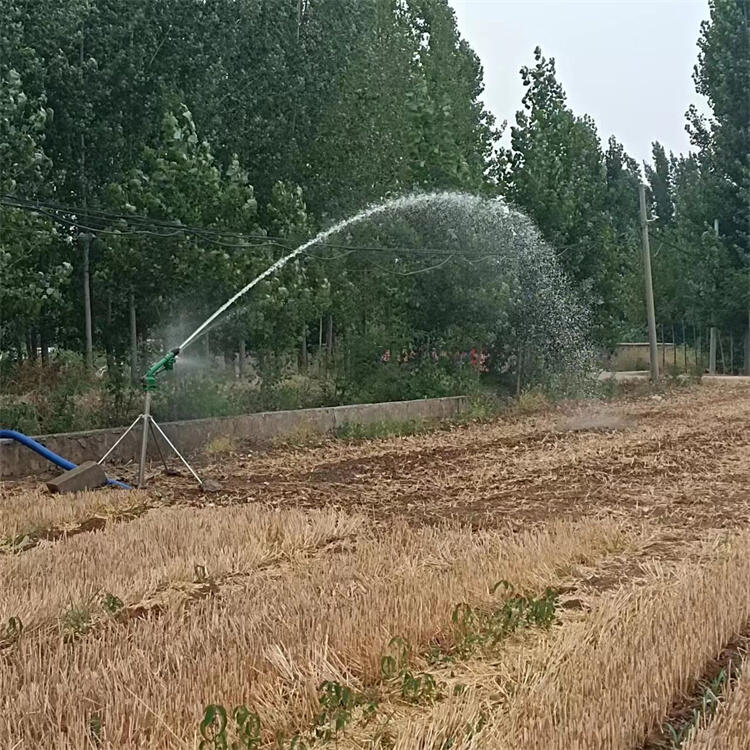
{"x": 682, "y": 461}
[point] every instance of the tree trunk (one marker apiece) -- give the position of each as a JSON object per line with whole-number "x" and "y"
{"x": 518, "y": 370}
{"x": 133, "y": 341}
{"x": 241, "y": 356}
{"x": 30, "y": 345}
{"x": 721, "y": 354}
{"x": 731, "y": 352}
{"x": 44, "y": 342}
{"x": 108, "y": 339}
{"x": 303, "y": 350}
{"x": 684, "y": 347}
{"x": 329, "y": 342}
{"x": 320, "y": 344}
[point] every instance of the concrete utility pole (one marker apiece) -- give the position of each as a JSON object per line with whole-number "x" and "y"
{"x": 133, "y": 341}
{"x": 85, "y": 239}
{"x": 712, "y": 331}
{"x": 650, "y": 314}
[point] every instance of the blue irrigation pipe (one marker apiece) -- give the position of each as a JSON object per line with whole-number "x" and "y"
{"x": 63, "y": 463}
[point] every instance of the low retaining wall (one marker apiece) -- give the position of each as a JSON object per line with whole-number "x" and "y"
{"x": 191, "y": 435}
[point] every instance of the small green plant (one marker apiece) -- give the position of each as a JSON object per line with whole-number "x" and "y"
{"x": 711, "y": 693}
{"x": 471, "y": 730}
{"x": 677, "y": 735}
{"x": 11, "y": 632}
{"x": 419, "y": 688}
{"x": 95, "y": 729}
{"x": 219, "y": 445}
{"x": 337, "y": 702}
{"x": 476, "y": 628}
{"x": 214, "y": 725}
{"x": 76, "y": 622}
{"x": 111, "y": 604}
{"x": 415, "y": 687}
{"x": 382, "y": 429}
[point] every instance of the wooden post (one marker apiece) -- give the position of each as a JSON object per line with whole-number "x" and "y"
{"x": 674, "y": 350}
{"x": 731, "y": 352}
{"x": 649, "y": 287}
{"x": 721, "y": 353}
{"x": 747, "y": 345}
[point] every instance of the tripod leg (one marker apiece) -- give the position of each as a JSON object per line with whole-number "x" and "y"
{"x": 156, "y": 443}
{"x": 144, "y": 441}
{"x": 119, "y": 440}
{"x": 177, "y": 453}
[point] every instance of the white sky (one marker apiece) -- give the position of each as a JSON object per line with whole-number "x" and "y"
{"x": 627, "y": 63}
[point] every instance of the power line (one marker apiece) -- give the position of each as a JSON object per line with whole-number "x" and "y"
{"x": 70, "y": 216}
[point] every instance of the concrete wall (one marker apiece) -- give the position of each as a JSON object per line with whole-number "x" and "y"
{"x": 191, "y": 435}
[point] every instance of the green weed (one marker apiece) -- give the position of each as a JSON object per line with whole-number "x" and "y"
{"x": 481, "y": 629}
{"x": 10, "y": 632}
{"x": 711, "y": 693}
{"x": 111, "y": 604}
{"x": 76, "y": 622}
{"x": 382, "y": 429}
{"x": 215, "y": 725}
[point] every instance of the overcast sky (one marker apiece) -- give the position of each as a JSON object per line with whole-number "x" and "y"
{"x": 627, "y": 63}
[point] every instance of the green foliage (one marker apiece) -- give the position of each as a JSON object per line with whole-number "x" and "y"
{"x": 10, "y": 632}
{"x": 711, "y": 693}
{"x": 76, "y": 621}
{"x": 111, "y": 604}
{"x": 382, "y": 429}
{"x": 95, "y": 729}
{"x": 580, "y": 197}
{"x": 337, "y": 704}
{"x": 475, "y": 629}
{"x": 217, "y": 733}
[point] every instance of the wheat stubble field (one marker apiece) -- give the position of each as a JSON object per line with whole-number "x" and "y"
{"x": 572, "y": 579}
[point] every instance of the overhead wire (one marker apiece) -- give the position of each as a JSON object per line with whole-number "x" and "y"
{"x": 71, "y": 217}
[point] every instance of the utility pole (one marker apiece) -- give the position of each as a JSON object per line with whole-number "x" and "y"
{"x": 712, "y": 332}
{"x": 85, "y": 238}
{"x": 133, "y": 340}
{"x": 649, "y": 286}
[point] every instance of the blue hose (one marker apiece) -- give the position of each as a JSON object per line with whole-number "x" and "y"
{"x": 63, "y": 463}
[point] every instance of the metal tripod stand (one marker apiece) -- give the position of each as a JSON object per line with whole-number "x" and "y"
{"x": 151, "y": 425}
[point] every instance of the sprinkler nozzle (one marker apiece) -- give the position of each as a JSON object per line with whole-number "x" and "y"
{"x": 165, "y": 363}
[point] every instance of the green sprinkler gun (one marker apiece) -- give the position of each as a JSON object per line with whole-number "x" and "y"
{"x": 165, "y": 363}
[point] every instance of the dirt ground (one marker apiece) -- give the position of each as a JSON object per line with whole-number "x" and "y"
{"x": 123, "y": 615}
{"x": 681, "y": 460}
